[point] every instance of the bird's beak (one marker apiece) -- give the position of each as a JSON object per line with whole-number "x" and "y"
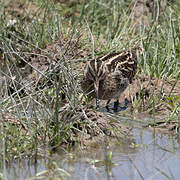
{"x": 96, "y": 88}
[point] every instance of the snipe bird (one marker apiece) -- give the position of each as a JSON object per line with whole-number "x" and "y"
{"x": 108, "y": 76}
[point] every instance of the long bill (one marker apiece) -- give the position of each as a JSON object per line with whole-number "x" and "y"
{"x": 96, "y": 88}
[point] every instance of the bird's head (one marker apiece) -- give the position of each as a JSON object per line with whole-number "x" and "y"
{"x": 96, "y": 72}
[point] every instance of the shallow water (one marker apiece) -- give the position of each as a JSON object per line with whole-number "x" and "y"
{"x": 153, "y": 155}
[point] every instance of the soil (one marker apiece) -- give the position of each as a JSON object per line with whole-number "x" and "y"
{"x": 23, "y": 10}
{"x": 96, "y": 127}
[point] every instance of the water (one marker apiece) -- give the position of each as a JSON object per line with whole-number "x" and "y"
{"x": 153, "y": 155}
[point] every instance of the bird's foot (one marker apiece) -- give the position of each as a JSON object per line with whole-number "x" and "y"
{"x": 107, "y": 108}
{"x": 116, "y": 104}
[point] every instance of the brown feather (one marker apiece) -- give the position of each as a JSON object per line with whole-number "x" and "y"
{"x": 114, "y": 72}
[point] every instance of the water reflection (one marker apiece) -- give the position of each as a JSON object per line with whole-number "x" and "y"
{"x": 153, "y": 155}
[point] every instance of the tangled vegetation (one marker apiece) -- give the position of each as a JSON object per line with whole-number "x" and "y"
{"x": 43, "y": 48}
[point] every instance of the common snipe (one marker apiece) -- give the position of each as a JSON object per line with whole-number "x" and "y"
{"x": 108, "y": 76}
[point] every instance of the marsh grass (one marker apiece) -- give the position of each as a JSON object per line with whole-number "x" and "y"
{"x": 101, "y": 27}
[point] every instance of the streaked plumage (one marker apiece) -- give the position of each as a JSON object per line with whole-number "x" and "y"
{"x": 108, "y": 76}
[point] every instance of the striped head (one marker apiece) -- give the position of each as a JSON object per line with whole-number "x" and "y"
{"x": 95, "y": 72}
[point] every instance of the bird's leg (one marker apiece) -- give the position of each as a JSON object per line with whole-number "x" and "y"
{"x": 126, "y": 102}
{"x": 116, "y": 104}
{"x": 107, "y": 104}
